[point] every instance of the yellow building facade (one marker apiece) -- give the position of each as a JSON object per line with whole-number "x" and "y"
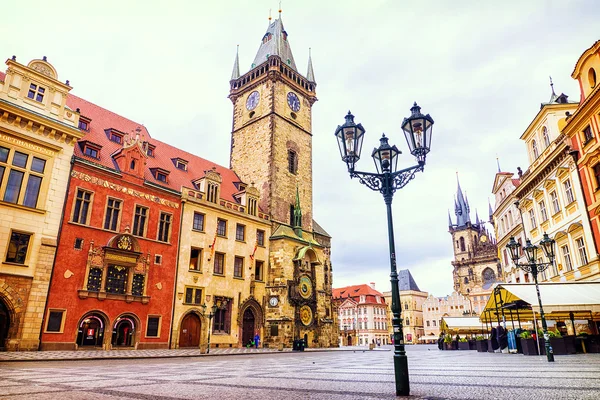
{"x": 551, "y": 199}
{"x": 37, "y": 135}
{"x": 223, "y": 261}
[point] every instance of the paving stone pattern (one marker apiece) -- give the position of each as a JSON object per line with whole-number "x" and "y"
{"x": 332, "y": 375}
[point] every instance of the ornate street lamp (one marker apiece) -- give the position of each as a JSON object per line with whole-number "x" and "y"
{"x": 417, "y": 131}
{"x": 217, "y": 305}
{"x": 534, "y": 267}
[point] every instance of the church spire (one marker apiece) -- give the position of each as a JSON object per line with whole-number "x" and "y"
{"x": 297, "y": 215}
{"x": 449, "y": 220}
{"x": 490, "y": 212}
{"x": 461, "y": 206}
{"x": 275, "y": 43}
{"x": 236, "y": 64}
{"x": 310, "y": 74}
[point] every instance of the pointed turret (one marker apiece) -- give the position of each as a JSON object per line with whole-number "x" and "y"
{"x": 275, "y": 43}
{"x": 236, "y": 65}
{"x": 461, "y": 206}
{"x": 310, "y": 74}
{"x": 553, "y": 96}
{"x": 449, "y": 220}
{"x": 477, "y": 217}
{"x": 297, "y": 215}
{"x": 491, "y": 212}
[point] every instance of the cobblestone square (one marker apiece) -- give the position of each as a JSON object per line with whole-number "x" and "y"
{"x": 355, "y": 374}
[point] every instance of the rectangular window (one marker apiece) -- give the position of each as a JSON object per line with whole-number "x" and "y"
{"x": 36, "y": 92}
{"x": 222, "y": 318}
{"x": 78, "y": 245}
{"x": 555, "y": 202}
{"x": 260, "y": 237}
{"x": 83, "y": 125}
{"x": 164, "y": 227}
{"x": 137, "y": 285}
{"x": 258, "y": 270}
{"x": 161, "y": 177}
{"x": 90, "y": 151}
{"x": 17, "y": 247}
{"x": 193, "y": 295}
{"x": 182, "y": 165}
{"x": 292, "y": 162}
{"x": 150, "y": 151}
{"x": 116, "y": 280}
{"x": 219, "y": 268}
{"x": 94, "y": 280}
{"x": 113, "y": 210}
{"x": 427, "y": 323}
{"x": 212, "y": 192}
{"x": 274, "y": 330}
{"x": 543, "y": 212}
{"x": 115, "y": 137}
{"x": 157, "y": 259}
{"x": 252, "y": 207}
{"x": 240, "y": 232}
{"x": 55, "y": 321}
{"x": 21, "y": 173}
{"x": 596, "y": 169}
{"x": 198, "y": 224}
{"x": 13, "y": 186}
{"x": 195, "y": 259}
{"x": 582, "y": 252}
{"x": 221, "y": 227}
{"x": 532, "y": 219}
{"x": 238, "y": 267}
{"x": 568, "y": 191}
{"x": 83, "y": 199}
{"x": 139, "y": 221}
{"x": 153, "y": 328}
{"x": 567, "y": 257}
{"x": 587, "y": 135}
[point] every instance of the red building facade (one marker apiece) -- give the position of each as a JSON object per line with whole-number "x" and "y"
{"x": 114, "y": 275}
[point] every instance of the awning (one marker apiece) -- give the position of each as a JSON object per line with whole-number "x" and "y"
{"x": 559, "y": 300}
{"x": 461, "y": 324}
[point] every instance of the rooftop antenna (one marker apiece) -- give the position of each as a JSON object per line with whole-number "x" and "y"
{"x": 280, "y": 10}
{"x": 498, "y": 162}
{"x": 269, "y": 16}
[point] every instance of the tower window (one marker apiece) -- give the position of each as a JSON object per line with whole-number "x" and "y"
{"x": 292, "y": 161}
{"x": 462, "y": 244}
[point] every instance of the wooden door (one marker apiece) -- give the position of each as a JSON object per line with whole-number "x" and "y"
{"x": 248, "y": 327}
{"x": 189, "y": 333}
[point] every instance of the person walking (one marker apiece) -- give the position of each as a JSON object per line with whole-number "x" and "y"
{"x": 256, "y": 340}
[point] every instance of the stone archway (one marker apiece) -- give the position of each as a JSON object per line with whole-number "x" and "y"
{"x": 11, "y": 307}
{"x": 125, "y": 331}
{"x": 92, "y": 329}
{"x": 4, "y": 324}
{"x": 250, "y": 320}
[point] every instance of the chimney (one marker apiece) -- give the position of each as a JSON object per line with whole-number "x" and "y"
{"x": 372, "y": 285}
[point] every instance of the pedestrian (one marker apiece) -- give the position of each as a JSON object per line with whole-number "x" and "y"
{"x": 256, "y": 339}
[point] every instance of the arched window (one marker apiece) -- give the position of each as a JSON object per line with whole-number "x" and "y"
{"x": 534, "y": 149}
{"x": 545, "y": 136}
{"x": 462, "y": 244}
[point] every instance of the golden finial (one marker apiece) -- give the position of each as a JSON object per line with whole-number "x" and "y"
{"x": 269, "y": 15}
{"x": 280, "y": 10}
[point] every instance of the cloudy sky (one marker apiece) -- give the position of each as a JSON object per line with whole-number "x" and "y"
{"x": 479, "y": 68}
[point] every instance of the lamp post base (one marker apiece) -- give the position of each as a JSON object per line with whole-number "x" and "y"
{"x": 401, "y": 375}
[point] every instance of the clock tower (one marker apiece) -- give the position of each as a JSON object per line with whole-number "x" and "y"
{"x": 271, "y": 147}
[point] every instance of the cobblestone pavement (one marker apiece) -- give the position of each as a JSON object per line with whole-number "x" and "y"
{"x": 334, "y": 375}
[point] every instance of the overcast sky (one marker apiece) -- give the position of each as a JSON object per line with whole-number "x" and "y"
{"x": 480, "y": 70}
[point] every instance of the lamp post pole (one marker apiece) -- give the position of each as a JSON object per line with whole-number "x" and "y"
{"x": 210, "y": 317}
{"x": 534, "y": 267}
{"x": 417, "y": 130}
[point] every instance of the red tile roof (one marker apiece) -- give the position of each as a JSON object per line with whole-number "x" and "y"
{"x": 103, "y": 119}
{"x": 354, "y": 292}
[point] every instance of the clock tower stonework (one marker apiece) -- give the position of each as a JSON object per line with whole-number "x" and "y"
{"x": 271, "y": 147}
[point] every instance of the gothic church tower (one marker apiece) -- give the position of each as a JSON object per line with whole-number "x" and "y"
{"x": 271, "y": 146}
{"x": 475, "y": 263}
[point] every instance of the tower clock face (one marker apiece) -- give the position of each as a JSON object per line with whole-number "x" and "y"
{"x": 293, "y": 101}
{"x": 252, "y": 101}
{"x": 305, "y": 287}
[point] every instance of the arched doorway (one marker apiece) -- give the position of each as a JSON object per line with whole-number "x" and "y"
{"x": 189, "y": 332}
{"x": 248, "y": 326}
{"x": 4, "y": 324}
{"x": 124, "y": 330}
{"x": 349, "y": 338}
{"x": 91, "y": 330}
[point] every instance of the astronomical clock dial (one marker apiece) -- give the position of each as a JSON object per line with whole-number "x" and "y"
{"x": 273, "y": 301}
{"x": 306, "y": 315}
{"x": 305, "y": 287}
{"x": 252, "y": 101}
{"x": 293, "y": 101}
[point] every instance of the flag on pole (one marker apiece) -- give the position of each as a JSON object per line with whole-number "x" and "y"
{"x": 212, "y": 246}
{"x": 254, "y": 251}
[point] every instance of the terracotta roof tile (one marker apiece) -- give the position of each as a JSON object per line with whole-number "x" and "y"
{"x": 356, "y": 291}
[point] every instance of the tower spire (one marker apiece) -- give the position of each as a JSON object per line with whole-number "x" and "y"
{"x": 449, "y": 220}
{"x": 553, "y": 96}
{"x": 236, "y": 64}
{"x": 498, "y": 162}
{"x": 310, "y": 74}
{"x": 461, "y": 206}
{"x": 297, "y": 215}
{"x": 275, "y": 43}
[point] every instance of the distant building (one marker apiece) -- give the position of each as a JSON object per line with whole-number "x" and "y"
{"x": 476, "y": 265}
{"x": 362, "y": 315}
{"x": 411, "y": 304}
{"x": 434, "y": 308}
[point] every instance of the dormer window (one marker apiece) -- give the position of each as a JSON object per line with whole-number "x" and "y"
{"x": 150, "y": 150}
{"x": 180, "y": 164}
{"x": 36, "y": 92}
{"x": 252, "y": 206}
{"x": 90, "y": 149}
{"x": 212, "y": 190}
{"x": 115, "y": 137}
{"x": 83, "y": 125}
{"x": 160, "y": 174}
{"x": 267, "y": 37}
